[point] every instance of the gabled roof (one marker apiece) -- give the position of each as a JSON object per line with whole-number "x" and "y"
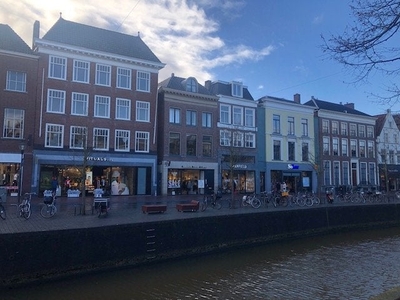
{"x": 379, "y": 123}
{"x": 396, "y": 118}
{"x": 343, "y": 108}
{"x": 225, "y": 88}
{"x": 178, "y": 83}
{"x": 89, "y": 37}
{"x": 10, "y": 41}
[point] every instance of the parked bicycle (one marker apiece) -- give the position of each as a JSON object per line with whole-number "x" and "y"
{"x": 2, "y": 210}
{"x": 211, "y": 199}
{"x": 25, "y": 206}
{"x": 49, "y": 208}
{"x": 251, "y": 200}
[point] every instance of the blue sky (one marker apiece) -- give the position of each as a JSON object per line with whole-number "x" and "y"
{"x": 272, "y": 46}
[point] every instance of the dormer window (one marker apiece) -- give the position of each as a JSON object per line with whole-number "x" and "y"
{"x": 190, "y": 85}
{"x": 237, "y": 89}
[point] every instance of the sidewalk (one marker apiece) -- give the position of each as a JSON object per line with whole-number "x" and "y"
{"x": 123, "y": 210}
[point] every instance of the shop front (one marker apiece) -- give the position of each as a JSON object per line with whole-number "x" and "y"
{"x": 298, "y": 178}
{"x": 10, "y": 164}
{"x": 389, "y": 177}
{"x": 183, "y": 178}
{"x": 114, "y": 174}
{"x": 242, "y": 181}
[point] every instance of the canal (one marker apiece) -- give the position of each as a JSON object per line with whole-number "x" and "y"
{"x": 354, "y": 265}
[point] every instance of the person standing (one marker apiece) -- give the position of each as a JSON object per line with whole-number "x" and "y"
{"x": 54, "y": 186}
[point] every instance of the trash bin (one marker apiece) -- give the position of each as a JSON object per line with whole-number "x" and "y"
{"x": 3, "y": 194}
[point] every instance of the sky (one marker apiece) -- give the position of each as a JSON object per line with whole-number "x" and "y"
{"x": 272, "y": 46}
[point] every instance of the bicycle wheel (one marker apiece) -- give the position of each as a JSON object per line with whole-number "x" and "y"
{"x": 217, "y": 205}
{"x": 26, "y": 211}
{"x": 256, "y": 203}
{"x": 203, "y": 205}
{"x": 2, "y": 212}
{"x": 284, "y": 201}
{"x": 48, "y": 211}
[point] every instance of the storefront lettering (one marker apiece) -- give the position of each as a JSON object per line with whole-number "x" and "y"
{"x": 91, "y": 158}
{"x": 240, "y": 166}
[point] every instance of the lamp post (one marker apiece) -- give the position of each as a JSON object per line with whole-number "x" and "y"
{"x": 21, "y": 172}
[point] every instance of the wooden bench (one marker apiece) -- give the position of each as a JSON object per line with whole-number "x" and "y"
{"x": 154, "y": 208}
{"x": 191, "y": 206}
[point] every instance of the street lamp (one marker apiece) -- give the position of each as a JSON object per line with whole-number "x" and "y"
{"x": 21, "y": 172}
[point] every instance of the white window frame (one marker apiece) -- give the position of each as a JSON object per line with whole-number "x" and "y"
{"x": 142, "y": 138}
{"x": 123, "y": 109}
{"x": 250, "y": 140}
{"x": 225, "y": 114}
{"x": 78, "y": 133}
{"x": 16, "y": 81}
{"x": 102, "y": 104}
{"x": 122, "y": 137}
{"x": 174, "y": 115}
{"x": 237, "y": 113}
{"x": 13, "y": 123}
{"x": 143, "y": 81}
{"x": 142, "y": 111}
{"x": 249, "y": 119}
{"x": 103, "y": 133}
{"x": 81, "y": 71}
{"x": 237, "y": 89}
{"x": 238, "y": 139}
{"x": 55, "y": 101}
{"x": 225, "y": 138}
{"x": 124, "y": 75}
{"x": 79, "y": 102}
{"x": 103, "y": 75}
{"x": 57, "y": 67}
{"x": 58, "y": 131}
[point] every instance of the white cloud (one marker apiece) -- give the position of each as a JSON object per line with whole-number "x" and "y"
{"x": 179, "y": 32}
{"x": 318, "y": 19}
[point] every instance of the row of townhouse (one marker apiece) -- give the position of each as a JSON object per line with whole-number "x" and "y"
{"x": 88, "y": 96}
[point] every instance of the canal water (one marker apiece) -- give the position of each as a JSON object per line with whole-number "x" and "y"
{"x": 356, "y": 265}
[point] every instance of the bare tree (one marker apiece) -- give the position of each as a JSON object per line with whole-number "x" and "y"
{"x": 369, "y": 47}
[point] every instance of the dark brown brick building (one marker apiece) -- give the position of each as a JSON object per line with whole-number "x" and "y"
{"x": 18, "y": 70}
{"x": 97, "y": 103}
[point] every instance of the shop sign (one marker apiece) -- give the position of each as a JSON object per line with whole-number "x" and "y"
{"x": 91, "y": 158}
{"x": 240, "y": 166}
{"x": 292, "y": 167}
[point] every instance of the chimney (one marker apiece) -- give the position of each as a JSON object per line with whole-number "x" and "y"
{"x": 207, "y": 85}
{"x": 349, "y": 105}
{"x": 36, "y": 29}
{"x": 296, "y": 98}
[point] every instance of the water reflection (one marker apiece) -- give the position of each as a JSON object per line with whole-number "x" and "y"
{"x": 344, "y": 266}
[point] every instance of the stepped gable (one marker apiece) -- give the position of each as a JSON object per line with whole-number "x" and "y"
{"x": 89, "y": 37}
{"x": 10, "y": 41}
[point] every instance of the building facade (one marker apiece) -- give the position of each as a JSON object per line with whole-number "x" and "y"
{"x": 388, "y": 151}
{"x": 288, "y": 144}
{"x": 345, "y": 152}
{"x": 237, "y": 131}
{"x": 187, "y": 144}
{"x": 18, "y": 70}
{"x": 96, "y": 109}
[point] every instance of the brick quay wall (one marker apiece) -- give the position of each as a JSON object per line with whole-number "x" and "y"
{"x": 42, "y": 255}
